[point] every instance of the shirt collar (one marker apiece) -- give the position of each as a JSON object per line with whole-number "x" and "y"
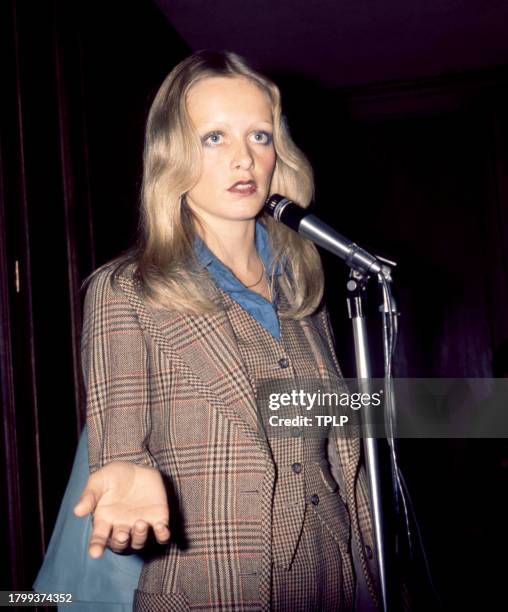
{"x": 262, "y": 240}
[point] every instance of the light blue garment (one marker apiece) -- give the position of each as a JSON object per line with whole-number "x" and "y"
{"x": 108, "y": 583}
{"x": 257, "y": 306}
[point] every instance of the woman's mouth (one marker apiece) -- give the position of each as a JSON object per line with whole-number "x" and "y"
{"x": 243, "y": 187}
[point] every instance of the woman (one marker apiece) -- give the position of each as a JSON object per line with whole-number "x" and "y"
{"x": 184, "y": 338}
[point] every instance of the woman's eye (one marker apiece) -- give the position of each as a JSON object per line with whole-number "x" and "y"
{"x": 262, "y": 137}
{"x": 213, "y": 138}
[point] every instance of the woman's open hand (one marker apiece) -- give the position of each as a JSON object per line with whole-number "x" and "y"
{"x": 126, "y": 500}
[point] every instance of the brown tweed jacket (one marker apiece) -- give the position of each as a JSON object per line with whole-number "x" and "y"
{"x": 170, "y": 391}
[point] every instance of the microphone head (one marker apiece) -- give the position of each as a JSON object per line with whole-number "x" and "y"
{"x": 274, "y": 205}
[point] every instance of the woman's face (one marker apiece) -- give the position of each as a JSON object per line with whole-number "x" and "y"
{"x": 233, "y": 118}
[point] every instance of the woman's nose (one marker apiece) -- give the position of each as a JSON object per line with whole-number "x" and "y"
{"x": 242, "y": 157}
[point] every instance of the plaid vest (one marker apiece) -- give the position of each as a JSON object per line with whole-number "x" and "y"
{"x": 303, "y": 480}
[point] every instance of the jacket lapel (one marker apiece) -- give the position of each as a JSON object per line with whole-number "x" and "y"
{"x": 204, "y": 348}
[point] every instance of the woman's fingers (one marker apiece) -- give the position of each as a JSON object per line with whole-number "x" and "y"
{"x": 86, "y": 504}
{"x": 161, "y": 532}
{"x": 99, "y": 538}
{"x": 139, "y": 534}
{"x": 120, "y": 538}
{"x": 126, "y": 501}
{"x": 135, "y": 538}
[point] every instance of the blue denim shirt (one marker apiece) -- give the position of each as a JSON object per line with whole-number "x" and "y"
{"x": 107, "y": 584}
{"x": 257, "y": 306}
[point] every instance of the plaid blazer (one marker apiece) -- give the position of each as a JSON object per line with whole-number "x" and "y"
{"x": 170, "y": 391}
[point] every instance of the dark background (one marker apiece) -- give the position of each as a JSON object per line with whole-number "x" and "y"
{"x": 402, "y": 110}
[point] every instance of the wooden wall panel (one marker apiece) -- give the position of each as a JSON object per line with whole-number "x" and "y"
{"x": 79, "y": 79}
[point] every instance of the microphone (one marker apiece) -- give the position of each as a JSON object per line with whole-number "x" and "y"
{"x": 308, "y": 225}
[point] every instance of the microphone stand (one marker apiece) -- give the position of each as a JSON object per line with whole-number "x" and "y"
{"x": 380, "y": 452}
{"x": 376, "y": 451}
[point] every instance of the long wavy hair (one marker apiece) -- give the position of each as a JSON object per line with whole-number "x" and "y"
{"x": 163, "y": 260}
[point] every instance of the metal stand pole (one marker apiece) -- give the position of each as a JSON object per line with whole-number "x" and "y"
{"x": 377, "y": 459}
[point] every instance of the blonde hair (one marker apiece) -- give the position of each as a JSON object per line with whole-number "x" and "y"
{"x": 163, "y": 259}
